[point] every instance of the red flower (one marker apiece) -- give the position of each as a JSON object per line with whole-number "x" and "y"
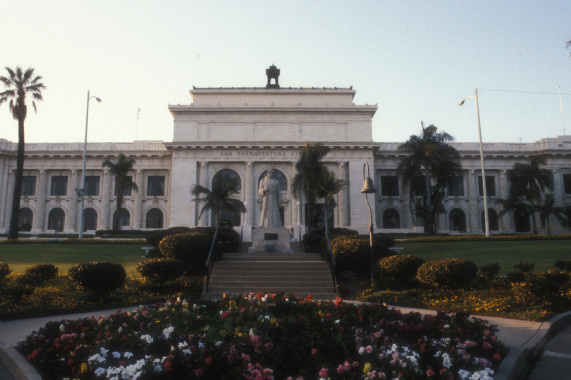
{"x": 497, "y": 357}
{"x": 430, "y": 372}
{"x": 168, "y": 365}
{"x": 209, "y": 361}
{"x": 198, "y": 372}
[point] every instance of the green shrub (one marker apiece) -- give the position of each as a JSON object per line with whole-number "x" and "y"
{"x": 525, "y": 267}
{"x": 155, "y": 237}
{"x": 353, "y": 253}
{"x": 4, "y": 270}
{"x": 400, "y": 267}
{"x": 315, "y": 240}
{"x": 563, "y": 265}
{"x": 15, "y": 292}
{"x": 39, "y": 274}
{"x": 548, "y": 283}
{"x": 100, "y": 277}
{"x": 447, "y": 273}
{"x": 490, "y": 271}
{"x": 190, "y": 247}
{"x": 161, "y": 270}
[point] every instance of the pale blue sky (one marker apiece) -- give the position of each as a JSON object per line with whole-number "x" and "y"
{"x": 414, "y": 59}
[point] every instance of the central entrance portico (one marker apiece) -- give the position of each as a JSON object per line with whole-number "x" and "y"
{"x": 247, "y": 131}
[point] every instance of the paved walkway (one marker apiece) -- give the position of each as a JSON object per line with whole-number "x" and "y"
{"x": 522, "y": 337}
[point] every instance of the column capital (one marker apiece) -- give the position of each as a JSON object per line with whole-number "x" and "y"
{"x": 249, "y": 164}
{"x": 203, "y": 163}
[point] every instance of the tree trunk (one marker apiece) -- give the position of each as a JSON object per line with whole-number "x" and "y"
{"x": 117, "y": 218}
{"x": 13, "y": 231}
{"x": 428, "y": 223}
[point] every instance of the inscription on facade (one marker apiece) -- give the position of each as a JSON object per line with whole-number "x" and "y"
{"x": 259, "y": 153}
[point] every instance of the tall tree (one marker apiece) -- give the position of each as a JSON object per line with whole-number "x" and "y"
{"x": 219, "y": 198}
{"x": 309, "y": 171}
{"x": 19, "y": 84}
{"x": 430, "y": 157}
{"x": 120, "y": 169}
{"x": 528, "y": 181}
{"x": 547, "y": 209}
{"x": 328, "y": 186}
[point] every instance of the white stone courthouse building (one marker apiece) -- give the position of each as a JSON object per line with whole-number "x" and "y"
{"x": 243, "y": 132}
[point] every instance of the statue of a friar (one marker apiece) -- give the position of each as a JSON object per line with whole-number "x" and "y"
{"x": 270, "y": 191}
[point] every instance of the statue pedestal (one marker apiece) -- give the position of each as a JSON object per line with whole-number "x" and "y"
{"x": 271, "y": 239}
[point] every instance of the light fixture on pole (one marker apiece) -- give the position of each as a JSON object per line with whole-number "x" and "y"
{"x": 81, "y": 191}
{"x": 369, "y": 188}
{"x": 485, "y": 192}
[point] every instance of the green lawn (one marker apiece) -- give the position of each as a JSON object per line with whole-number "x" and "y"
{"x": 64, "y": 256}
{"x": 544, "y": 253}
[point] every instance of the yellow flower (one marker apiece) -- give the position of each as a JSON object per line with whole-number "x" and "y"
{"x": 83, "y": 368}
{"x": 367, "y": 368}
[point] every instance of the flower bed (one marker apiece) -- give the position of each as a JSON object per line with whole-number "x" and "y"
{"x": 265, "y": 337}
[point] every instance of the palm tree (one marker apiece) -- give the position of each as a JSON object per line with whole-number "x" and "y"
{"x": 309, "y": 171}
{"x": 328, "y": 186}
{"x": 428, "y": 155}
{"x": 529, "y": 181}
{"x": 123, "y": 181}
{"x": 547, "y": 209}
{"x": 18, "y": 85}
{"x": 218, "y": 199}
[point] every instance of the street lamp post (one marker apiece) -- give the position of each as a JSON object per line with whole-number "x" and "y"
{"x": 484, "y": 189}
{"x": 82, "y": 190}
{"x": 368, "y": 188}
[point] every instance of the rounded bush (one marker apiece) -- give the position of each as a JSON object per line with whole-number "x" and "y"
{"x": 447, "y": 273}
{"x": 154, "y": 238}
{"x": 515, "y": 276}
{"x": 564, "y": 265}
{"x": 39, "y": 274}
{"x": 161, "y": 270}
{"x": 549, "y": 282}
{"x": 353, "y": 253}
{"x": 400, "y": 267}
{"x": 4, "y": 270}
{"x": 191, "y": 248}
{"x": 490, "y": 271}
{"x": 100, "y": 277}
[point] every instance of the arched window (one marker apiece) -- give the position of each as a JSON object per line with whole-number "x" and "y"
{"x": 521, "y": 219}
{"x": 492, "y": 220}
{"x": 277, "y": 175}
{"x": 457, "y": 220}
{"x": 56, "y": 219}
{"x": 89, "y": 219}
{"x": 391, "y": 218}
{"x": 124, "y": 217}
{"x": 229, "y": 174}
{"x": 154, "y": 218}
{"x": 25, "y": 219}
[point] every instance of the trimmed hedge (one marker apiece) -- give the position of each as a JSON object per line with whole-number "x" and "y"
{"x": 161, "y": 270}
{"x": 191, "y": 248}
{"x": 353, "y": 253}
{"x": 400, "y": 267}
{"x": 100, "y": 277}
{"x": 459, "y": 238}
{"x": 155, "y": 237}
{"x": 4, "y": 270}
{"x": 447, "y": 273}
{"x": 315, "y": 240}
{"x": 39, "y": 274}
{"x": 563, "y": 265}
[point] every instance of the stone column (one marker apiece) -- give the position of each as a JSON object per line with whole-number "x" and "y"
{"x": 250, "y": 191}
{"x": 3, "y": 189}
{"x": 203, "y": 220}
{"x": 71, "y": 218}
{"x": 138, "y": 199}
{"x": 105, "y": 200}
{"x": 41, "y": 194}
{"x": 474, "y": 204}
{"x": 342, "y": 196}
{"x": 8, "y": 199}
{"x": 506, "y": 222}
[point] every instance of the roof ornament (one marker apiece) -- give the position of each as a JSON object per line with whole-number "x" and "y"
{"x": 273, "y": 73}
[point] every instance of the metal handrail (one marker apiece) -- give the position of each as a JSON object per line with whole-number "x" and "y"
{"x": 331, "y": 262}
{"x": 210, "y": 260}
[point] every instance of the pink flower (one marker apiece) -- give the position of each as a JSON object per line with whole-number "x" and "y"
{"x": 313, "y": 351}
{"x": 497, "y": 357}
{"x": 323, "y": 373}
{"x": 430, "y": 372}
{"x": 486, "y": 346}
{"x": 198, "y": 372}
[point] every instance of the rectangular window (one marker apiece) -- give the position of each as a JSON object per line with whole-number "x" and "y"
{"x": 156, "y": 185}
{"x": 28, "y": 185}
{"x": 92, "y": 185}
{"x": 490, "y": 186}
{"x": 59, "y": 185}
{"x": 389, "y": 186}
{"x": 567, "y": 183}
{"x": 455, "y": 187}
{"x": 127, "y": 188}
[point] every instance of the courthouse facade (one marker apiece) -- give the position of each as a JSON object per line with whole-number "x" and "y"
{"x": 243, "y": 132}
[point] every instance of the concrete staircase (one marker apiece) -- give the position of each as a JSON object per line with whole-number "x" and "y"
{"x": 301, "y": 274}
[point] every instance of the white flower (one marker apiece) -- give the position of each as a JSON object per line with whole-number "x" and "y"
{"x": 116, "y": 355}
{"x": 127, "y": 355}
{"x": 147, "y": 338}
{"x": 361, "y": 350}
{"x": 182, "y": 345}
{"x": 168, "y": 331}
{"x": 99, "y": 372}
